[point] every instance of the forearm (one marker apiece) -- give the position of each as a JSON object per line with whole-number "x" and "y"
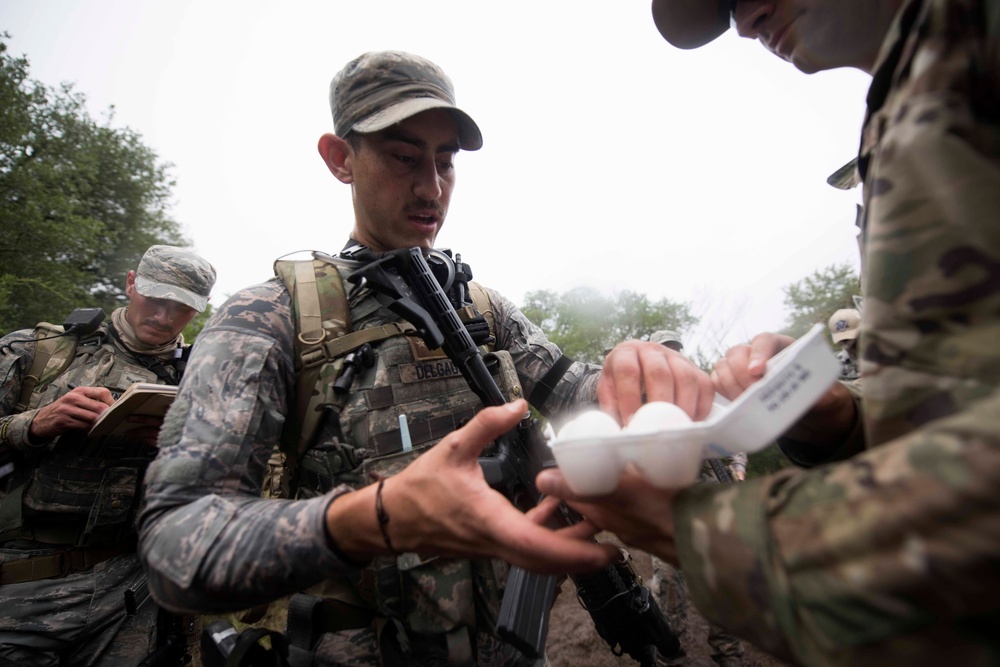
{"x": 850, "y": 555}
{"x": 224, "y": 553}
{"x": 14, "y": 431}
{"x": 819, "y": 449}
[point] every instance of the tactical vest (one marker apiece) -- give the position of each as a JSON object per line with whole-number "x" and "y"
{"x": 354, "y": 438}
{"x": 76, "y": 491}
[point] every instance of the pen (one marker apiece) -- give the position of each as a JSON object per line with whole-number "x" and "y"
{"x": 404, "y": 434}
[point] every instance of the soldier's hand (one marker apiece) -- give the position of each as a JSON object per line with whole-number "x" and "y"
{"x": 745, "y": 364}
{"x": 829, "y": 420}
{"x": 640, "y": 514}
{"x": 637, "y": 371}
{"x": 73, "y": 411}
{"x": 440, "y": 504}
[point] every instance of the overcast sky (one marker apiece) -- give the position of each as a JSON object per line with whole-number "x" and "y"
{"x": 611, "y": 159}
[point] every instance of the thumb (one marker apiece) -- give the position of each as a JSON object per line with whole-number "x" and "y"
{"x": 488, "y": 425}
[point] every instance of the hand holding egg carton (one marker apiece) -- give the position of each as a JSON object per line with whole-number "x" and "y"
{"x": 667, "y": 447}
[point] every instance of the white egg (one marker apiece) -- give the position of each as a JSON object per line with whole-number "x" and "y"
{"x": 655, "y": 417}
{"x": 590, "y": 424}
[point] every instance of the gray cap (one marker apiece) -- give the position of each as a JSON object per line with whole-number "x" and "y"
{"x": 377, "y": 90}
{"x": 668, "y": 338}
{"x": 688, "y": 24}
{"x": 169, "y": 272}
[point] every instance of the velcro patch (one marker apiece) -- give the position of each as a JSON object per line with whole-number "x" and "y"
{"x": 428, "y": 370}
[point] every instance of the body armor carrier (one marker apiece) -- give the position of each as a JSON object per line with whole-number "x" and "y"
{"x": 349, "y": 433}
{"x": 79, "y": 491}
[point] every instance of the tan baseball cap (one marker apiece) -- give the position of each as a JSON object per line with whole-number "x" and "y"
{"x": 169, "y": 272}
{"x": 379, "y": 89}
{"x": 688, "y": 24}
{"x": 845, "y": 324}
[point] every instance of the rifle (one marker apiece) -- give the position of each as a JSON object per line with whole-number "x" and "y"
{"x": 624, "y": 613}
{"x": 171, "y": 642}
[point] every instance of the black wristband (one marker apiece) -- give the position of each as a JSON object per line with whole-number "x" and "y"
{"x": 383, "y": 518}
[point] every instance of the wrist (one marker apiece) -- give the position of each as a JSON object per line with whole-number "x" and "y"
{"x": 349, "y": 553}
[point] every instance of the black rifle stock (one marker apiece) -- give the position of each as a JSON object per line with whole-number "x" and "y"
{"x": 624, "y": 612}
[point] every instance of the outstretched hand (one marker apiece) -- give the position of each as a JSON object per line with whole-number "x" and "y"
{"x": 76, "y": 410}
{"x": 441, "y": 505}
{"x": 640, "y": 371}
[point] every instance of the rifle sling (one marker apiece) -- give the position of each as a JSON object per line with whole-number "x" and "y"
{"x": 544, "y": 387}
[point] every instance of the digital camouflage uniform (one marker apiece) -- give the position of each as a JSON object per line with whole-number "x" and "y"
{"x": 890, "y": 556}
{"x": 82, "y": 493}
{"x": 213, "y": 544}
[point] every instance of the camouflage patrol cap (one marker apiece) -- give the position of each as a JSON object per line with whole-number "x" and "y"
{"x": 668, "y": 338}
{"x": 845, "y": 324}
{"x": 688, "y": 24}
{"x": 379, "y": 89}
{"x": 169, "y": 272}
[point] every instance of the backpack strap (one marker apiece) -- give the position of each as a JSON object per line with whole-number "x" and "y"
{"x": 54, "y": 352}
{"x": 482, "y": 302}
{"x": 320, "y": 312}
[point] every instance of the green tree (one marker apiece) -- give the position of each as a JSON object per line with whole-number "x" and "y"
{"x": 816, "y": 297}
{"x": 80, "y": 201}
{"x": 585, "y": 323}
{"x": 195, "y": 326}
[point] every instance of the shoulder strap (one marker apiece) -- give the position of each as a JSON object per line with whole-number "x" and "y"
{"x": 320, "y": 313}
{"x": 54, "y": 352}
{"x": 482, "y": 302}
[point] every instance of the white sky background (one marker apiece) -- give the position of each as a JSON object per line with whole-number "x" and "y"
{"x": 611, "y": 159}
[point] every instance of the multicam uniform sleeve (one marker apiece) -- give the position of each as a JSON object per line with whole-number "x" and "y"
{"x": 209, "y": 541}
{"x": 16, "y": 353}
{"x": 534, "y": 355}
{"x": 891, "y": 556}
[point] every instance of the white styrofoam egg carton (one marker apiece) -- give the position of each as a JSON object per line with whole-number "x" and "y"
{"x": 667, "y": 448}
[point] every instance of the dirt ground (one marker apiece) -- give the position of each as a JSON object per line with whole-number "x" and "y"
{"x": 573, "y": 642}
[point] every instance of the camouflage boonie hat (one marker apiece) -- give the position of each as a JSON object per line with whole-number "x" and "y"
{"x": 668, "y": 338}
{"x": 845, "y": 324}
{"x": 169, "y": 272}
{"x": 379, "y": 89}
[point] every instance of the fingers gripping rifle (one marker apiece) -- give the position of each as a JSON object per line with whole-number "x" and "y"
{"x": 624, "y": 612}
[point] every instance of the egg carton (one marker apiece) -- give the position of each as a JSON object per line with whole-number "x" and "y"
{"x": 671, "y": 457}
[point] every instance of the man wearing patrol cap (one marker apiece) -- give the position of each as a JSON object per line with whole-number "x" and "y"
{"x": 844, "y": 326}
{"x": 882, "y": 549}
{"x": 402, "y": 542}
{"x": 69, "y": 506}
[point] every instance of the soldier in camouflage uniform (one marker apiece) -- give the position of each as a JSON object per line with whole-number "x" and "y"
{"x": 68, "y": 509}
{"x": 668, "y": 582}
{"x": 212, "y": 544}
{"x": 844, "y": 326}
{"x": 886, "y": 552}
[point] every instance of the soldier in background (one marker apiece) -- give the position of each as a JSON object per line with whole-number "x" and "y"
{"x": 399, "y": 537}
{"x": 668, "y": 582}
{"x": 845, "y": 325}
{"x": 68, "y": 510}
